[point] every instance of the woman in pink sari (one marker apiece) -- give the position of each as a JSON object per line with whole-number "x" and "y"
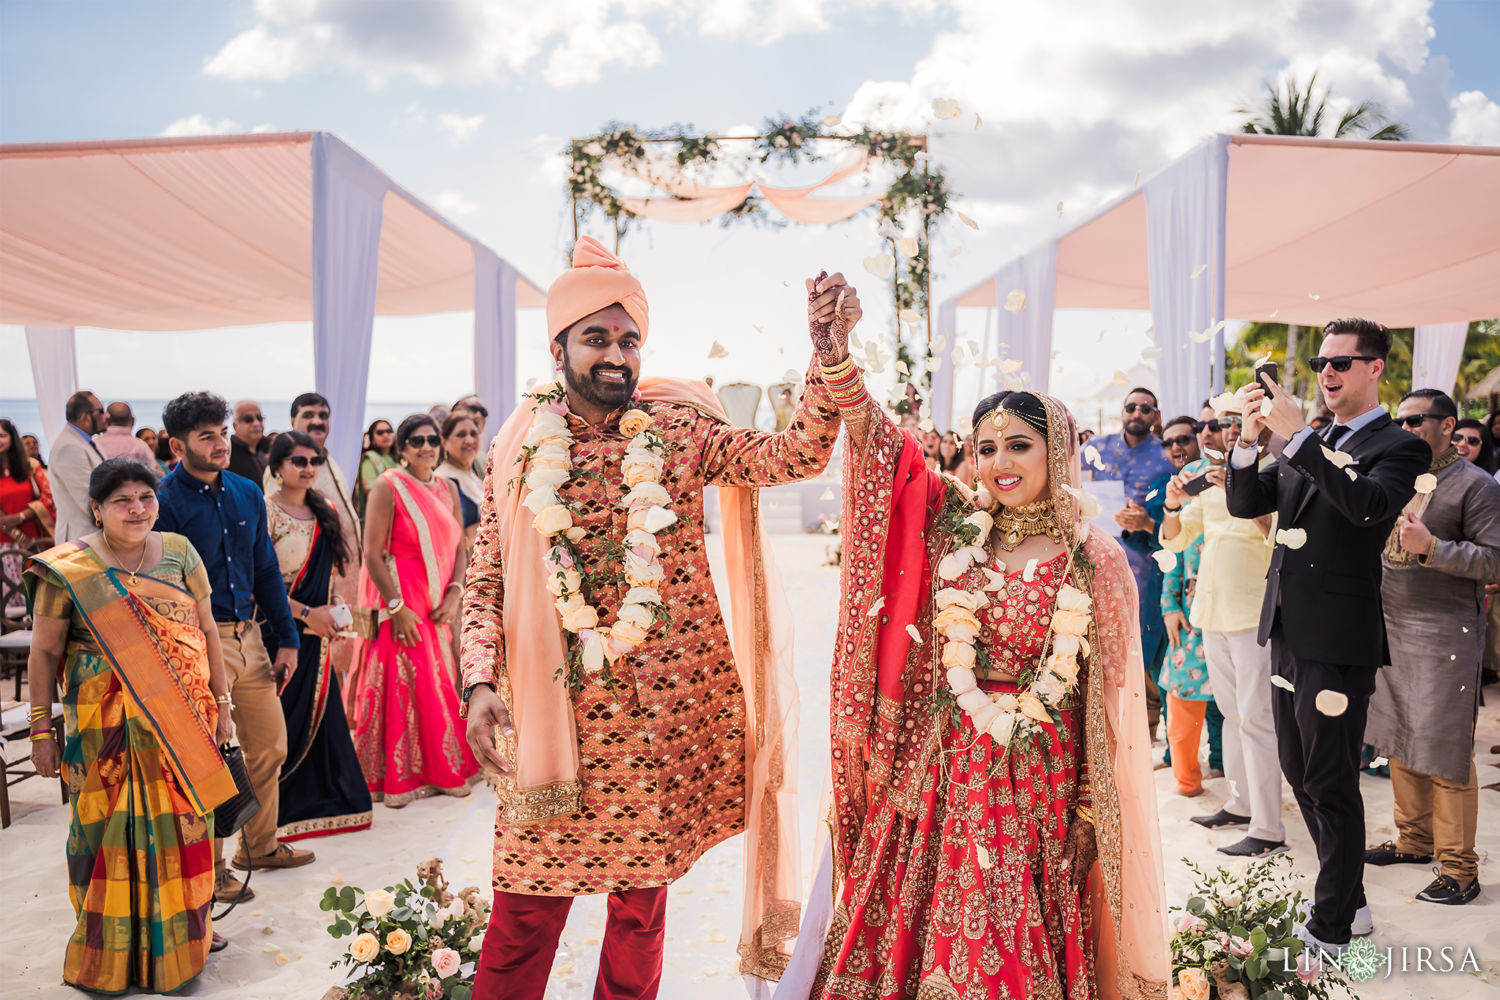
{"x": 402, "y": 692}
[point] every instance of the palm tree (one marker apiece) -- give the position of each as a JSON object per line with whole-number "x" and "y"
{"x": 1297, "y": 110}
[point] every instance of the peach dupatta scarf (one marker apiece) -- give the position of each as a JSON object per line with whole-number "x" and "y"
{"x": 545, "y": 750}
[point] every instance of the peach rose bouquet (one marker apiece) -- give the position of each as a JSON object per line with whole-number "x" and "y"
{"x": 414, "y": 939}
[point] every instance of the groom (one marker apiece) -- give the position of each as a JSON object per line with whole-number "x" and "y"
{"x": 616, "y": 777}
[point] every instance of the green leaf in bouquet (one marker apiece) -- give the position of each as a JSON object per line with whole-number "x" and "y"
{"x": 1258, "y": 939}
{"x": 461, "y": 991}
{"x": 346, "y": 898}
{"x": 427, "y": 891}
{"x": 1255, "y": 967}
{"x": 1239, "y": 931}
{"x": 1197, "y": 906}
{"x": 1276, "y": 958}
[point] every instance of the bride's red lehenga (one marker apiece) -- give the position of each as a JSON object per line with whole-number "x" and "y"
{"x": 967, "y": 897}
{"x": 948, "y": 854}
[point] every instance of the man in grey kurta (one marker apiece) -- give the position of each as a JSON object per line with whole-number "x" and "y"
{"x": 1444, "y": 546}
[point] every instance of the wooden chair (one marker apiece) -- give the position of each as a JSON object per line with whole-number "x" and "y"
{"x": 15, "y": 623}
{"x": 15, "y": 755}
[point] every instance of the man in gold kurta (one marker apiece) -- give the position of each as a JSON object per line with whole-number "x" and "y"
{"x": 663, "y": 748}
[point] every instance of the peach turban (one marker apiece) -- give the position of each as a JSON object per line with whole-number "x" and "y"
{"x": 597, "y": 281}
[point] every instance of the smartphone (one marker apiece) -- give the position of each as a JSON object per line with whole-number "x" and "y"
{"x": 1196, "y": 485}
{"x": 1269, "y": 368}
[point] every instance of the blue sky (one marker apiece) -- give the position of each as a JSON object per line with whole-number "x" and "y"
{"x": 468, "y": 105}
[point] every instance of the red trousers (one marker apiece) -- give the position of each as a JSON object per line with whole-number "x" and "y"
{"x": 522, "y": 939}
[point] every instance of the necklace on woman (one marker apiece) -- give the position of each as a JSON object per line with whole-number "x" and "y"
{"x": 1015, "y": 524}
{"x": 145, "y": 547}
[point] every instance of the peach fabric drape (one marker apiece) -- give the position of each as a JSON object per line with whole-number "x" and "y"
{"x": 694, "y": 202}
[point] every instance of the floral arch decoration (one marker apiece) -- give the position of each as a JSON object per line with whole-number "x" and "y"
{"x": 916, "y": 201}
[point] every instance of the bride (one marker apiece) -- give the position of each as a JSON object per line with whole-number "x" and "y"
{"x": 993, "y": 819}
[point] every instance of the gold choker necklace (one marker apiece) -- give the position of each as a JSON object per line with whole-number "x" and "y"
{"x": 1014, "y": 524}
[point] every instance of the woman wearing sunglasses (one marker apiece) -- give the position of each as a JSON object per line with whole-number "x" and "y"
{"x": 1474, "y": 444}
{"x": 322, "y": 789}
{"x": 378, "y": 455}
{"x": 403, "y": 692}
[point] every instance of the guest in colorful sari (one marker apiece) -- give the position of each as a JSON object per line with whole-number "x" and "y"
{"x": 123, "y": 622}
{"x": 403, "y": 688}
{"x": 322, "y": 788}
{"x": 988, "y": 739}
{"x": 376, "y": 458}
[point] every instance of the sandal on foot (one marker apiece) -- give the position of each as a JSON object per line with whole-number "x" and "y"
{"x": 1254, "y": 847}
{"x": 219, "y": 943}
{"x": 1221, "y": 820}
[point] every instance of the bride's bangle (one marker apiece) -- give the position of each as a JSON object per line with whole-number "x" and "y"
{"x": 1084, "y": 813}
{"x": 450, "y": 586}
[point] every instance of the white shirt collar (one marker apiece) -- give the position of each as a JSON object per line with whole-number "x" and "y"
{"x": 1363, "y": 419}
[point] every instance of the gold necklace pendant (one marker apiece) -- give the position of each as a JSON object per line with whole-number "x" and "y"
{"x": 1016, "y": 524}
{"x": 145, "y": 548}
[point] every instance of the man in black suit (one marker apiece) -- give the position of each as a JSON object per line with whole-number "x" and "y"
{"x": 1337, "y": 492}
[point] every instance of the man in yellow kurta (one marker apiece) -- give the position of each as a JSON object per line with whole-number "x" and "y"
{"x": 626, "y": 737}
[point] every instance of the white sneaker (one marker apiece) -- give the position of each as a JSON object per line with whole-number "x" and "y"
{"x": 1364, "y": 922}
{"x": 1362, "y": 926}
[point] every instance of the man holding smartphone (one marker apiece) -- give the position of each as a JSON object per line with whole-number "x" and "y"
{"x": 1337, "y": 493}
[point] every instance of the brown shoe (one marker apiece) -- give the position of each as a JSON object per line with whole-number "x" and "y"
{"x": 285, "y": 856}
{"x": 228, "y": 889}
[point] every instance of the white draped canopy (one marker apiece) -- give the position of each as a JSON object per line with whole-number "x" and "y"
{"x": 1267, "y": 228}
{"x": 230, "y": 230}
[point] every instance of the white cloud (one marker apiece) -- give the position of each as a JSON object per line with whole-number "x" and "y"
{"x": 461, "y": 127}
{"x": 1476, "y": 119}
{"x": 591, "y": 47}
{"x": 201, "y": 125}
{"x": 1076, "y": 97}
{"x": 454, "y": 204}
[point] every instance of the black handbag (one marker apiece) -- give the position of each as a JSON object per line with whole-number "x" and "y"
{"x": 233, "y": 813}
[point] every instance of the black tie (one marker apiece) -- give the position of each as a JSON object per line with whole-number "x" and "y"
{"x": 1336, "y": 434}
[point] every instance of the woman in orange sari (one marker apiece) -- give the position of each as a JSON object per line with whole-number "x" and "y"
{"x": 123, "y": 623}
{"x": 403, "y": 689}
{"x": 989, "y": 740}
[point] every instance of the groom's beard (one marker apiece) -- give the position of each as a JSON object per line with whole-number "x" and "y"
{"x": 596, "y": 387}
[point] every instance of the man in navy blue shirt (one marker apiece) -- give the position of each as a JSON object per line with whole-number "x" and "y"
{"x": 224, "y": 516}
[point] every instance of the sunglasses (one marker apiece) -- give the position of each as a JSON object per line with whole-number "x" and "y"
{"x": 1144, "y": 409}
{"x": 1469, "y": 439}
{"x": 475, "y": 408}
{"x": 302, "y": 461}
{"x": 418, "y": 440}
{"x": 1180, "y": 441}
{"x": 1342, "y": 363}
{"x": 384, "y": 430}
{"x": 252, "y": 418}
{"x": 1415, "y": 420}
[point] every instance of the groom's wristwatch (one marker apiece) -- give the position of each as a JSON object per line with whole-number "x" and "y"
{"x": 469, "y": 691}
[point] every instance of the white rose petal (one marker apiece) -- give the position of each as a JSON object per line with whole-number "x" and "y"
{"x": 1166, "y": 560}
{"x": 916, "y": 636}
{"x": 973, "y": 700}
{"x": 1426, "y": 483}
{"x": 1338, "y": 459}
{"x": 1331, "y": 702}
{"x": 875, "y": 608}
{"x": 1351, "y": 474}
{"x": 1265, "y": 407}
{"x": 961, "y": 680}
{"x": 1292, "y": 538}
{"x": 1278, "y": 681}
{"x": 1015, "y": 301}
{"x": 658, "y": 519}
{"x": 1029, "y": 573}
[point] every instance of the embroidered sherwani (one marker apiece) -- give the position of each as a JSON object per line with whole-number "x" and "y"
{"x": 661, "y": 753}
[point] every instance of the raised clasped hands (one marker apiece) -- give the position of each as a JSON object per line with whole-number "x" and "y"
{"x": 1415, "y": 537}
{"x": 832, "y": 311}
{"x": 1285, "y": 418}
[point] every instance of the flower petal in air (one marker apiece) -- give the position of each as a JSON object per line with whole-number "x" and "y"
{"x": 1331, "y": 702}
{"x": 1278, "y": 681}
{"x": 1426, "y": 483}
{"x": 1166, "y": 560}
{"x": 1292, "y": 538}
{"x": 1015, "y": 301}
{"x": 916, "y": 636}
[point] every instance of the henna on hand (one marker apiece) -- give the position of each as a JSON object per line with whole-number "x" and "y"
{"x": 822, "y": 332}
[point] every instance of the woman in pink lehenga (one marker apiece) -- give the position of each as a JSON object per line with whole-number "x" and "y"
{"x": 402, "y": 692}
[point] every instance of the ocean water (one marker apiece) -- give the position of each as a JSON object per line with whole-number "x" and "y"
{"x": 27, "y": 418}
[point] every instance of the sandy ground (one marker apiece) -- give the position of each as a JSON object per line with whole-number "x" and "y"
{"x": 279, "y": 947}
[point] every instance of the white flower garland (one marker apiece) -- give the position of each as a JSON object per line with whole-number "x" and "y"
{"x": 1004, "y": 715}
{"x": 549, "y": 465}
